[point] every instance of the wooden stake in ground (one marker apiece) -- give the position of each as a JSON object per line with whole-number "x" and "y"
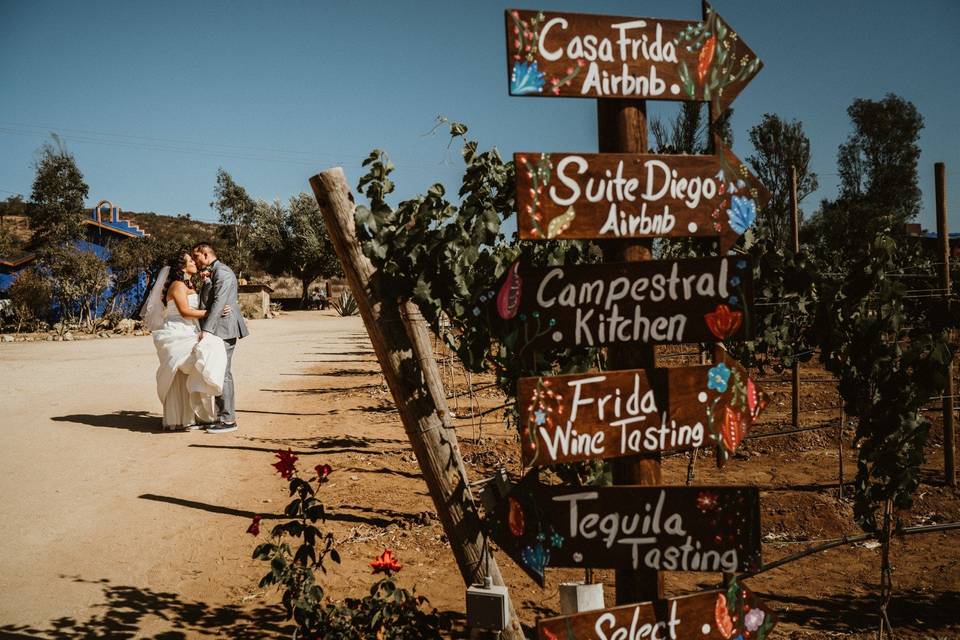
{"x": 943, "y": 236}
{"x": 622, "y": 128}
{"x": 401, "y": 340}
{"x": 795, "y": 245}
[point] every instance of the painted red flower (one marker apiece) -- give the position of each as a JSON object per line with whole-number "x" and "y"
{"x": 706, "y": 501}
{"x": 254, "y": 528}
{"x": 723, "y": 322}
{"x": 385, "y": 563}
{"x": 508, "y": 299}
{"x": 323, "y": 470}
{"x": 515, "y": 517}
{"x": 722, "y": 616}
{"x": 286, "y": 465}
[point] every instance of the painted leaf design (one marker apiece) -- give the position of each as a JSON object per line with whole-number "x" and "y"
{"x": 561, "y": 223}
{"x": 732, "y": 430}
{"x": 508, "y": 300}
{"x": 706, "y": 57}
{"x": 723, "y": 322}
{"x": 724, "y": 622}
{"x": 515, "y": 517}
{"x": 756, "y": 400}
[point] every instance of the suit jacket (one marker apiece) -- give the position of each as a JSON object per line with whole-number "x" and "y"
{"x": 222, "y": 291}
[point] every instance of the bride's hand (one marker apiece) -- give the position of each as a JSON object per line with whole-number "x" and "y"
{"x": 225, "y": 312}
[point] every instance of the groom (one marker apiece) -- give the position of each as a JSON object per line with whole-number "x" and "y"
{"x": 221, "y": 290}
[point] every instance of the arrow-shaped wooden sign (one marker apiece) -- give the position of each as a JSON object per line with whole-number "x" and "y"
{"x": 593, "y": 416}
{"x": 658, "y": 528}
{"x": 597, "y": 196}
{"x": 595, "y": 56}
{"x": 655, "y": 302}
{"x": 711, "y": 615}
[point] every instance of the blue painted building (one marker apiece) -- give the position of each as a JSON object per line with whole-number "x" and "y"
{"x": 102, "y": 228}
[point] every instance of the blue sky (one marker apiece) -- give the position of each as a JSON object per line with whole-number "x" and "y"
{"x": 153, "y": 97}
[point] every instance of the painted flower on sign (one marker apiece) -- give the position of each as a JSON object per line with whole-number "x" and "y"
{"x": 526, "y": 78}
{"x": 717, "y": 377}
{"x": 741, "y": 214}
{"x": 723, "y": 321}
{"x": 536, "y": 558}
{"x": 753, "y": 619}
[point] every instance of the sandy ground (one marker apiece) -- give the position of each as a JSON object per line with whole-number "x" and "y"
{"x": 111, "y": 529}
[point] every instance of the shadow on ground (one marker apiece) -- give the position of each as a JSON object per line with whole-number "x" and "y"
{"x": 909, "y": 610}
{"x": 125, "y": 609}
{"x": 141, "y": 421}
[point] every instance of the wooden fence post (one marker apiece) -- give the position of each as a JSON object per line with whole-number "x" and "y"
{"x": 795, "y": 245}
{"x": 622, "y": 128}
{"x": 943, "y": 236}
{"x": 401, "y": 341}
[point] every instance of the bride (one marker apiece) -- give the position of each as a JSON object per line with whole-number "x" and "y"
{"x": 191, "y": 370}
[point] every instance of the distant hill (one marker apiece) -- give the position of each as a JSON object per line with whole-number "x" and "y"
{"x": 179, "y": 230}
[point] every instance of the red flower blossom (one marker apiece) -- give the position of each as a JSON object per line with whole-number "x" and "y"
{"x": 254, "y": 528}
{"x": 323, "y": 470}
{"x": 733, "y": 428}
{"x": 706, "y": 501}
{"x": 385, "y": 563}
{"x": 286, "y": 465}
{"x": 723, "y": 322}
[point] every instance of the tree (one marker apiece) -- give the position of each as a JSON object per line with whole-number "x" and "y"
{"x": 58, "y": 195}
{"x": 237, "y": 214}
{"x": 78, "y": 282}
{"x": 780, "y": 145}
{"x": 689, "y": 131}
{"x": 294, "y": 240}
{"x": 878, "y": 162}
{"x": 30, "y": 296}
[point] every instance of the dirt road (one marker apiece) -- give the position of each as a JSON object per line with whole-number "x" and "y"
{"x": 112, "y": 529}
{"x": 98, "y": 506}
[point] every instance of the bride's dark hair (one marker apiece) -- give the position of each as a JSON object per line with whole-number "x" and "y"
{"x": 177, "y": 266}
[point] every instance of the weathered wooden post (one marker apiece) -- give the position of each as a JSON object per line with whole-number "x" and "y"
{"x": 943, "y": 237}
{"x": 401, "y": 340}
{"x": 622, "y": 128}
{"x": 795, "y": 245}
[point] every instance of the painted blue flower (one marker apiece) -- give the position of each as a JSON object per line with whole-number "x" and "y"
{"x": 523, "y": 317}
{"x": 526, "y": 78}
{"x": 483, "y": 297}
{"x": 556, "y": 540}
{"x": 476, "y": 311}
{"x": 735, "y": 281}
{"x": 717, "y": 377}
{"x": 540, "y": 416}
{"x": 741, "y": 264}
{"x": 734, "y": 300}
{"x": 741, "y": 214}
{"x": 536, "y": 558}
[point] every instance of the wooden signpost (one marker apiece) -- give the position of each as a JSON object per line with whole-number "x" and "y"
{"x": 610, "y": 414}
{"x": 633, "y": 414}
{"x": 662, "y": 301}
{"x": 593, "y": 56}
{"x": 598, "y": 196}
{"x": 657, "y": 528}
{"x": 710, "y": 615}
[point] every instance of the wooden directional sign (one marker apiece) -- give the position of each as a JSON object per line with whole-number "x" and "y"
{"x": 711, "y": 615}
{"x": 659, "y": 528}
{"x": 594, "y": 56}
{"x": 663, "y": 301}
{"x": 587, "y": 196}
{"x": 592, "y": 416}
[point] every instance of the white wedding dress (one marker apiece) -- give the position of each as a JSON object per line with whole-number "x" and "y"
{"x": 191, "y": 372}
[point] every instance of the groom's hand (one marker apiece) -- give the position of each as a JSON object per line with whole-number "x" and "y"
{"x": 225, "y": 312}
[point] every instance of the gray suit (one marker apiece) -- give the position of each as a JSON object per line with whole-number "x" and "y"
{"x": 222, "y": 291}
